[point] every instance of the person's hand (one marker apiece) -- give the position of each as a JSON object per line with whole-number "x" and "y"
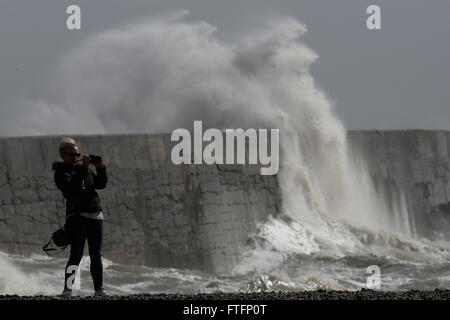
{"x": 86, "y": 162}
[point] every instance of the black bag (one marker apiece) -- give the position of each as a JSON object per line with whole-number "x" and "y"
{"x": 61, "y": 238}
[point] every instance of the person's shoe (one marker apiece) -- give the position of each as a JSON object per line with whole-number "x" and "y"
{"x": 100, "y": 292}
{"x": 66, "y": 293}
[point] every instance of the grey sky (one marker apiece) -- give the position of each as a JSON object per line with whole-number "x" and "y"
{"x": 395, "y": 78}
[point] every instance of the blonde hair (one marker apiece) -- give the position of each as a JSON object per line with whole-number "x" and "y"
{"x": 66, "y": 144}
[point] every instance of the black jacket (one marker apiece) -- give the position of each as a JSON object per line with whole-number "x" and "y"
{"x": 78, "y": 185}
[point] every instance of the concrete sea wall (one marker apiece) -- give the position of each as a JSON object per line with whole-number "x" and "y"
{"x": 156, "y": 213}
{"x": 411, "y": 168}
{"x": 199, "y": 217}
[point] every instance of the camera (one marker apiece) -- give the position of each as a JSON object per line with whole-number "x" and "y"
{"x": 95, "y": 159}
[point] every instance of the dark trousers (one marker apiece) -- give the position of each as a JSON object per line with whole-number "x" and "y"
{"x": 82, "y": 228}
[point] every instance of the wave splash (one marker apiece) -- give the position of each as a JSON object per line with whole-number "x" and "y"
{"x": 166, "y": 73}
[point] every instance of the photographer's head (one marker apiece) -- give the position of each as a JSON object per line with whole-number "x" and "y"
{"x": 68, "y": 150}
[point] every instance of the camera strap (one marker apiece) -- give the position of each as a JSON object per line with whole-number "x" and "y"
{"x": 47, "y": 250}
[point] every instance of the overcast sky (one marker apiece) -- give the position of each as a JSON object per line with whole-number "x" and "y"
{"x": 394, "y": 78}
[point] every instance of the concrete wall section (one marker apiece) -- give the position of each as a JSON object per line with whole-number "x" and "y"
{"x": 156, "y": 212}
{"x": 415, "y": 164}
{"x": 200, "y": 216}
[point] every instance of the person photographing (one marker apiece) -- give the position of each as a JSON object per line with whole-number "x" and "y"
{"x": 84, "y": 218}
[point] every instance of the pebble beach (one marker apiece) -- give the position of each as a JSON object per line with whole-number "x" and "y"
{"x": 363, "y": 294}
